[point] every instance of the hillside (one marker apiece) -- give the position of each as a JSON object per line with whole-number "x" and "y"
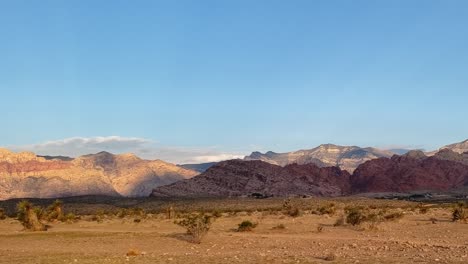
{"x": 27, "y": 175}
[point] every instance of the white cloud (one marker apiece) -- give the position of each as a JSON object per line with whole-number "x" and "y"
{"x": 145, "y": 148}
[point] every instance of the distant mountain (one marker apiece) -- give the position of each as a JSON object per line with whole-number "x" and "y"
{"x": 201, "y": 167}
{"x": 459, "y": 148}
{"x": 62, "y": 158}
{"x": 399, "y": 151}
{"x": 27, "y": 175}
{"x": 413, "y": 171}
{"x": 346, "y": 157}
{"x": 448, "y": 154}
{"x": 242, "y": 178}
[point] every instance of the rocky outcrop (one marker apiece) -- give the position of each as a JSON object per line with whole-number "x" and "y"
{"x": 408, "y": 173}
{"x": 27, "y": 175}
{"x": 242, "y": 178}
{"x": 346, "y": 157}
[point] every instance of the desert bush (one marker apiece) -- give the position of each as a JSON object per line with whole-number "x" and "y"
{"x": 216, "y": 214}
{"x": 340, "y": 221}
{"x": 279, "y": 227}
{"x": 54, "y": 211}
{"x": 2, "y": 214}
{"x": 246, "y": 226}
{"x": 319, "y": 229}
{"x": 355, "y": 216}
{"x": 28, "y": 216}
{"x": 170, "y": 212}
{"x": 460, "y": 213}
{"x": 289, "y": 209}
{"x": 394, "y": 216}
{"x": 329, "y": 209}
{"x": 330, "y": 257}
{"x": 197, "y": 225}
{"x": 133, "y": 253}
{"x": 423, "y": 209}
{"x": 70, "y": 217}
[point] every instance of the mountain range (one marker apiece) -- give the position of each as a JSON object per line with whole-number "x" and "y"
{"x": 413, "y": 171}
{"x": 327, "y": 170}
{"x": 346, "y": 157}
{"x": 27, "y": 175}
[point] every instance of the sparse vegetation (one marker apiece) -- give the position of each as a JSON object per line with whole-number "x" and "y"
{"x": 55, "y": 212}
{"x": 2, "y": 214}
{"x": 393, "y": 216}
{"x": 246, "y": 226}
{"x": 217, "y": 213}
{"x": 133, "y": 253}
{"x": 28, "y": 216}
{"x": 197, "y": 225}
{"x": 330, "y": 257}
{"x": 329, "y": 209}
{"x": 423, "y": 209}
{"x": 354, "y": 216}
{"x": 340, "y": 221}
{"x": 289, "y": 209}
{"x": 359, "y": 215}
{"x": 460, "y": 212}
{"x": 279, "y": 227}
{"x": 319, "y": 229}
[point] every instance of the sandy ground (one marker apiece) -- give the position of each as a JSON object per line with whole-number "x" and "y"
{"x": 412, "y": 239}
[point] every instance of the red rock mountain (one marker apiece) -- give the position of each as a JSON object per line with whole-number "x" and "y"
{"x": 411, "y": 172}
{"x": 240, "y": 178}
{"x": 27, "y": 175}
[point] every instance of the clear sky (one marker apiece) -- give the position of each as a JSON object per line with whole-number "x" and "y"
{"x": 213, "y": 78}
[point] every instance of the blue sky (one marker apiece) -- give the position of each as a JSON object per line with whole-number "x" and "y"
{"x": 212, "y": 78}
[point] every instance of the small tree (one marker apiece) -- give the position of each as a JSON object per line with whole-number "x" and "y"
{"x": 197, "y": 226}
{"x": 28, "y": 216}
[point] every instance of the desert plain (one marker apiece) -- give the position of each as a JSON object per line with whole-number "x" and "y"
{"x": 423, "y": 233}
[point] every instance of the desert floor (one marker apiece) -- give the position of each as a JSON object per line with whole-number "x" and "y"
{"x": 413, "y": 239}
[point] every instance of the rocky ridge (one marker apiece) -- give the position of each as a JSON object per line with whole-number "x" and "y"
{"x": 410, "y": 172}
{"x": 346, "y": 157}
{"x": 27, "y": 175}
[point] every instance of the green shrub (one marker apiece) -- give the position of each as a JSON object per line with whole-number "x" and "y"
{"x": 246, "y": 226}
{"x": 197, "y": 226}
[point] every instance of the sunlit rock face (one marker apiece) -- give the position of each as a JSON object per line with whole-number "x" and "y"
{"x": 27, "y": 175}
{"x": 346, "y": 157}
